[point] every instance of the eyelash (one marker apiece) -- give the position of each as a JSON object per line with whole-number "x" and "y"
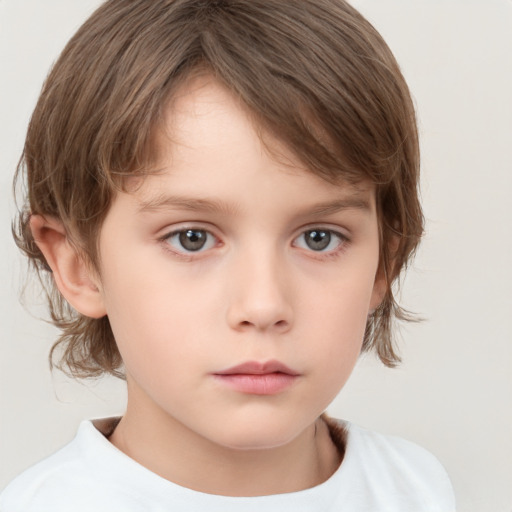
{"x": 189, "y": 255}
{"x": 184, "y": 254}
{"x": 341, "y": 246}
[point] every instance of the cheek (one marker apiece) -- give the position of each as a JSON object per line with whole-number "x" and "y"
{"x": 341, "y": 307}
{"x": 154, "y": 314}
{"x": 336, "y": 317}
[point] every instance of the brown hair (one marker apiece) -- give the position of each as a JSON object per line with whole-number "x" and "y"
{"x": 314, "y": 73}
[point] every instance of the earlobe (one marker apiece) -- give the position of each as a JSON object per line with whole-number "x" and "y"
{"x": 73, "y": 277}
{"x": 385, "y": 275}
{"x": 379, "y": 290}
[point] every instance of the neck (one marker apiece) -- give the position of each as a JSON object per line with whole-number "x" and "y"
{"x": 170, "y": 449}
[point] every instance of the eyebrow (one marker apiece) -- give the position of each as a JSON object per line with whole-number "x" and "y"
{"x": 349, "y": 203}
{"x": 170, "y": 202}
{"x": 186, "y": 203}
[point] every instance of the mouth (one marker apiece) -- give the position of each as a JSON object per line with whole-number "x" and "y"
{"x": 255, "y": 378}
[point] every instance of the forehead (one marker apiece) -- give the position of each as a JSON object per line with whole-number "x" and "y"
{"x": 207, "y": 132}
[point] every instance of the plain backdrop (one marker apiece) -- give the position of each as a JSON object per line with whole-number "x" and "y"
{"x": 453, "y": 392}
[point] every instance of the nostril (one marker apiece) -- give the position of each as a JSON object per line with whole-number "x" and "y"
{"x": 279, "y": 324}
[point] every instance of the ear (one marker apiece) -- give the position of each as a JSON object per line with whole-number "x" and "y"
{"x": 380, "y": 286}
{"x": 379, "y": 290}
{"x": 74, "y": 279}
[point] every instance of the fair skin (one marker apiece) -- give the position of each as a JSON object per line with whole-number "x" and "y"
{"x": 226, "y": 256}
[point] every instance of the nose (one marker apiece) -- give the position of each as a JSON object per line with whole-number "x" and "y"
{"x": 260, "y": 294}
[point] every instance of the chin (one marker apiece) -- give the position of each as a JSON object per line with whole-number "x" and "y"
{"x": 258, "y": 434}
{"x": 256, "y": 442}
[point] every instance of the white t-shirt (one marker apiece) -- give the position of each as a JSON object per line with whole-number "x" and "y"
{"x": 378, "y": 474}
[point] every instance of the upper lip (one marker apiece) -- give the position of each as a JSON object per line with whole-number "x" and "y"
{"x": 257, "y": 368}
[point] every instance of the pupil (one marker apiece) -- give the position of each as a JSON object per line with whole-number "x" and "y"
{"x": 318, "y": 240}
{"x": 192, "y": 240}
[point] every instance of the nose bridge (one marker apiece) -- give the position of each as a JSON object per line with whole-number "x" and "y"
{"x": 261, "y": 294}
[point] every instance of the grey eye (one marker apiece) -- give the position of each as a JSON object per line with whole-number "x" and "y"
{"x": 191, "y": 240}
{"x": 320, "y": 240}
{"x": 317, "y": 239}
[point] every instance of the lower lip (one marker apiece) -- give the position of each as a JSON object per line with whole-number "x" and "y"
{"x": 265, "y": 384}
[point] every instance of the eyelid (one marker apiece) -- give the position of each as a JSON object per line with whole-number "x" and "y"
{"x": 337, "y": 231}
{"x": 342, "y": 232}
{"x": 344, "y": 240}
{"x": 184, "y": 253}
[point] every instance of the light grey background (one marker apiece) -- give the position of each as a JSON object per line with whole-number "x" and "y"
{"x": 453, "y": 393}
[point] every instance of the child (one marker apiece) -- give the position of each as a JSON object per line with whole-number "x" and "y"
{"x": 220, "y": 195}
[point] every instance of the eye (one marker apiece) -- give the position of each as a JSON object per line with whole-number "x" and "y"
{"x": 320, "y": 240}
{"x": 191, "y": 240}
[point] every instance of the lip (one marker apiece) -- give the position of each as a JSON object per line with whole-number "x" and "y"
{"x": 257, "y": 368}
{"x": 257, "y": 378}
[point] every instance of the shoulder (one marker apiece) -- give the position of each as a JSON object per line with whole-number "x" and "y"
{"x": 68, "y": 472}
{"x": 390, "y": 466}
{"x": 40, "y": 480}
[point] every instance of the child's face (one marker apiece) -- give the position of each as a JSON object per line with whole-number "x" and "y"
{"x": 229, "y": 256}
